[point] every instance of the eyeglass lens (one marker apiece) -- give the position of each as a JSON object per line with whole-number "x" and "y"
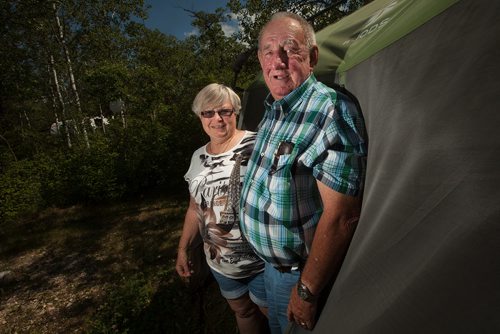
{"x": 222, "y": 113}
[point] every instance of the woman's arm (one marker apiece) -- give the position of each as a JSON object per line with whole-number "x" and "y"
{"x": 190, "y": 232}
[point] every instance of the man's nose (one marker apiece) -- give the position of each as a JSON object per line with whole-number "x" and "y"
{"x": 280, "y": 59}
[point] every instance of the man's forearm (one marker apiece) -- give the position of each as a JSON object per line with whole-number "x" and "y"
{"x": 330, "y": 244}
{"x": 332, "y": 238}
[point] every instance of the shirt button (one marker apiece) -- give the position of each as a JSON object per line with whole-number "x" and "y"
{"x": 262, "y": 154}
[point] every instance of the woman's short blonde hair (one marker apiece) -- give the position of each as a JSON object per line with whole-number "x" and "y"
{"x": 215, "y": 95}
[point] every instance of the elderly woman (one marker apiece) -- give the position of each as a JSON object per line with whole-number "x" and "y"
{"x": 214, "y": 179}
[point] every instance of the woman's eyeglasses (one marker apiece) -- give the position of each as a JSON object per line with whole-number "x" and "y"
{"x": 222, "y": 113}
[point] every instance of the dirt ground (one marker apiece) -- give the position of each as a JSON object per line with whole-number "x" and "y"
{"x": 59, "y": 266}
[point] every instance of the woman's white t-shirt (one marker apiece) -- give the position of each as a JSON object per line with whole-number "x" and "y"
{"x": 215, "y": 184}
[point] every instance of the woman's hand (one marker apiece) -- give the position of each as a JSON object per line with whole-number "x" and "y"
{"x": 190, "y": 233}
{"x": 183, "y": 266}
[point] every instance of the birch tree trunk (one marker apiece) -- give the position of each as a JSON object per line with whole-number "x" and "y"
{"x": 70, "y": 72}
{"x": 61, "y": 101}
{"x": 53, "y": 95}
{"x": 27, "y": 118}
{"x": 118, "y": 106}
{"x": 122, "y": 113}
{"x": 102, "y": 120}
{"x": 24, "y": 115}
{"x": 54, "y": 107}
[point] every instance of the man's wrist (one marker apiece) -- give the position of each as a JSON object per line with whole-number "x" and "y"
{"x": 304, "y": 293}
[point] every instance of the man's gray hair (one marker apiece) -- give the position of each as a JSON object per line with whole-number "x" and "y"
{"x": 307, "y": 28}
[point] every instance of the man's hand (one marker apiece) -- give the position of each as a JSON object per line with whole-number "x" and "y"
{"x": 301, "y": 312}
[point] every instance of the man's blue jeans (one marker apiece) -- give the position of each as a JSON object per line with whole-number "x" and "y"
{"x": 278, "y": 288}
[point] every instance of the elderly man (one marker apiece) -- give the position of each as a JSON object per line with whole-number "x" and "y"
{"x": 301, "y": 196}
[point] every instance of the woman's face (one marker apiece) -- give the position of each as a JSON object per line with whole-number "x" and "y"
{"x": 219, "y": 127}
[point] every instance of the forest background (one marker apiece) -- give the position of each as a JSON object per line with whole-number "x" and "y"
{"x": 96, "y": 127}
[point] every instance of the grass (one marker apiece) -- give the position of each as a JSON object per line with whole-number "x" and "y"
{"x": 103, "y": 269}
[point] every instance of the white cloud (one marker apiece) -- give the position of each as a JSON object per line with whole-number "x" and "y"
{"x": 229, "y": 28}
{"x": 193, "y": 32}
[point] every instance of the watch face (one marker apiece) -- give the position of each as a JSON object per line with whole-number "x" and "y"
{"x": 303, "y": 292}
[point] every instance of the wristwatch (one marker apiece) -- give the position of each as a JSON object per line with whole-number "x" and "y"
{"x": 304, "y": 292}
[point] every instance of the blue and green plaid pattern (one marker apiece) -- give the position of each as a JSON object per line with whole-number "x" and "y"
{"x": 314, "y": 133}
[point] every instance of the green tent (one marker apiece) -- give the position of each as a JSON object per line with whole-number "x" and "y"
{"x": 425, "y": 257}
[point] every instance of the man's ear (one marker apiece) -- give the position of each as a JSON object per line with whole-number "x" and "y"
{"x": 314, "y": 56}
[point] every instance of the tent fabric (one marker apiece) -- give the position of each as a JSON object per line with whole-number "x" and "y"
{"x": 374, "y": 27}
{"x": 425, "y": 257}
{"x": 426, "y": 254}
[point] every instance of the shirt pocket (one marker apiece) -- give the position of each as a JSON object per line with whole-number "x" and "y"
{"x": 282, "y": 188}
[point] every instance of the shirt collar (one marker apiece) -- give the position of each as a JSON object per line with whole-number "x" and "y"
{"x": 285, "y": 104}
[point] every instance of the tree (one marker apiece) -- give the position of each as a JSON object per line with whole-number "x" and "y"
{"x": 66, "y": 60}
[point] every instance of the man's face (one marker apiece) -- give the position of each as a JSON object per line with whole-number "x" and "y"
{"x": 285, "y": 60}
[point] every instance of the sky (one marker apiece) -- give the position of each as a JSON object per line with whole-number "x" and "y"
{"x": 169, "y": 17}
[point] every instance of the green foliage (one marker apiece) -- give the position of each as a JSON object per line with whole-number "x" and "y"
{"x": 120, "y": 313}
{"x": 20, "y": 191}
{"x": 159, "y": 304}
{"x": 141, "y": 148}
{"x": 106, "y": 82}
{"x": 59, "y": 179}
{"x": 126, "y": 162}
{"x": 50, "y": 168}
{"x": 114, "y": 57}
{"x": 91, "y": 175}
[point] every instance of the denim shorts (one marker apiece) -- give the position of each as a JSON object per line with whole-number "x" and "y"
{"x": 232, "y": 288}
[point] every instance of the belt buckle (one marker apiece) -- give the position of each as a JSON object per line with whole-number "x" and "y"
{"x": 283, "y": 269}
{"x": 286, "y": 269}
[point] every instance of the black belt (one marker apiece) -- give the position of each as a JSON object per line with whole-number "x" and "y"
{"x": 286, "y": 269}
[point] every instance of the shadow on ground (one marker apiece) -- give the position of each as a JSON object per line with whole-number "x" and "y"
{"x": 68, "y": 266}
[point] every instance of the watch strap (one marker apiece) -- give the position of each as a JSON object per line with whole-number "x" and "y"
{"x": 304, "y": 292}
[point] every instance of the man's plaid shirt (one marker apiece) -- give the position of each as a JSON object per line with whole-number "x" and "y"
{"x": 313, "y": 133}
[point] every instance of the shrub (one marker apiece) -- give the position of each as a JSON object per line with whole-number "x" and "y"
{"x": 20, "y": 190}
{"x": 119, "y": 313}
{"x": 159, "y": 305}
{"x": 52, "y": 179}
{"x": 90, "y": 175}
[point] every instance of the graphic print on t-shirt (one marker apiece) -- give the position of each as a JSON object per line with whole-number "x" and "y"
{"x": 215, "y": 185}
{"x": 229, "y": 216}
{"x": 218, "y": 188}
